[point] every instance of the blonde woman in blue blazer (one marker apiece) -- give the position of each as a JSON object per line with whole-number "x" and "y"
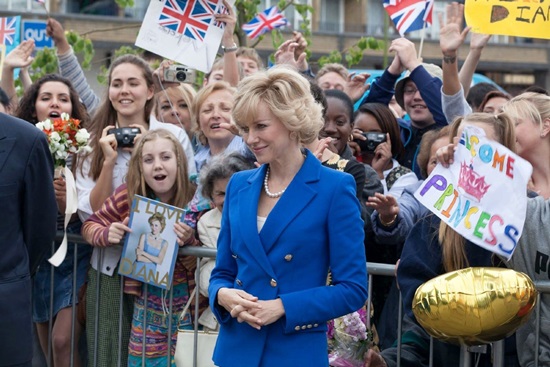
{"x": 284, "y": 225}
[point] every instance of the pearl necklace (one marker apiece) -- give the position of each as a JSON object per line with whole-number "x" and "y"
{"x": 266, "y": 187}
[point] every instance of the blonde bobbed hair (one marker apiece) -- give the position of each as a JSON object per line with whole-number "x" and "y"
{"x": 287, "y": 95}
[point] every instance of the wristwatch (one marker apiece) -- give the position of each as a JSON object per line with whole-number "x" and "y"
{"x": 230, "y": 49}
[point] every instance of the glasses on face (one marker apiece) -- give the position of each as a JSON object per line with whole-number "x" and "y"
{"x": 410, "y": 90}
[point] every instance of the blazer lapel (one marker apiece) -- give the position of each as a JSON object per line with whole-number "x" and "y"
{"x": 248, "y": 204}
{"x": 296, "y": 197}
{"x": 6, "y": 145}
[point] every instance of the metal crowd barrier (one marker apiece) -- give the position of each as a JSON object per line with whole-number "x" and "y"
{"x": 201, "y": 252}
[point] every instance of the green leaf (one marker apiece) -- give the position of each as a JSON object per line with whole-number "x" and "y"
{"x": 373, "y": 43}
{"x": 362, "y": 43}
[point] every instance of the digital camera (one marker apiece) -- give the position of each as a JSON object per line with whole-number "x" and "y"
{"x": 125, "y": 136}
{"x": 179, "y": 73}
{"x": 373, "y": 140}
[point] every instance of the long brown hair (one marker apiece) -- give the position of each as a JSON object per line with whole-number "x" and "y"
{"x": 106, "y": 114}
{"x": 453, "y": 252}
{"x": 136, "y": 182}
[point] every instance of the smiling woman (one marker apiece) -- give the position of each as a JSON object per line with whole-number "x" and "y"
{"x": 211, "y": 118}
{"x": 283, "y": 226}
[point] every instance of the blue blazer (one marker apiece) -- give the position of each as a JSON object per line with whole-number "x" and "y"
{"x": 27, "y": 230}
{"x": 315, "y": 225}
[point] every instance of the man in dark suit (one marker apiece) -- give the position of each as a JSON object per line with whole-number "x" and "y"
{"x": 27, "y": 229}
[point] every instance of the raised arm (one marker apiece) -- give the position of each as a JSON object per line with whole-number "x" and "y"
{"x": 69, "y": 67}
{"x": 230, "y": 63}
{"x": 477, "y": 44}
{"x": 19, "y": 57}
{"x": 452, "y": 36}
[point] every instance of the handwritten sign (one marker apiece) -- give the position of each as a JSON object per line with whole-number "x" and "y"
{"x": 185, "y": 31}
{"x": 483, "y": 194}
{"x": 522, "y": 18}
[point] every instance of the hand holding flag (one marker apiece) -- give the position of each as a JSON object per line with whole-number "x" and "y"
{"x": 43, "y": 2}
{"x": 264, "y": 21}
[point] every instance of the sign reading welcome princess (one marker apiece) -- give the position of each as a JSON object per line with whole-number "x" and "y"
{"x": 483, "y": 194}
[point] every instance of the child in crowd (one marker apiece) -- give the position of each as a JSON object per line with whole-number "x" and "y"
{"x": 157, "y": 170}
{"x": 129, "y": 105}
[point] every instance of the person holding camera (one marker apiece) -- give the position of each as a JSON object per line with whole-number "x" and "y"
{"x": 118, "y": 122}
{"x": 382, "y": 148}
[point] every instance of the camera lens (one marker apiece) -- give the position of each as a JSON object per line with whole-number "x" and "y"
{"x": 180, "y": 76}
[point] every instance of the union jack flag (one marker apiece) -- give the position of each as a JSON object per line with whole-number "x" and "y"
{"x": 429, "y": 12}
{"x": 222, "y": 10}
{"x": 188, "y": 17}
{"x": 8, "y": 31}
{"x": 267, "y": 20}
{"x": 409, "y": 15}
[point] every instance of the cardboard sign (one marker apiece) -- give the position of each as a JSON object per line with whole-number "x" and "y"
{"x": 520, "y": 18}
{"x": 483, "y": 194}
{"x": 185, "y": 31}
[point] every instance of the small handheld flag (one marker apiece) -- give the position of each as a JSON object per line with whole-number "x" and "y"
{"x": 409, "y": 15}
{"x": 43, "y": 2}
{"x": 264, "y": 21}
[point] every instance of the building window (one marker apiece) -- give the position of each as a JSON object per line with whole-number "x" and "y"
{"x": 332, "y": 14}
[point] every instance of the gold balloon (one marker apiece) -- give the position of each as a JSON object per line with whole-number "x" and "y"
{"x": 475, "y": 305}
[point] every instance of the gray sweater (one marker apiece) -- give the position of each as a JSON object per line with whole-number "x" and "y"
{"x": 532, "y": 257}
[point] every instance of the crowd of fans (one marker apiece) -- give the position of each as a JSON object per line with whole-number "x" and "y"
{"x": 388, "y": 144}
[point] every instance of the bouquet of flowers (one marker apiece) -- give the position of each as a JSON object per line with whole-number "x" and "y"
{"x": 349, "y": 339}
{"x": 64, "y": 137}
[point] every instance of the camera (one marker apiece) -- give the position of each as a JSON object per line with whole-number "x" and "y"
{"x": 125, "y": 136}
{"x": 179, "y": 73}
{"x": 373, "y": 140}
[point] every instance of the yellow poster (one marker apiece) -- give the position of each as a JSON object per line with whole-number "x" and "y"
{"x": 522, "y": 18}
{"x": 2, "y": 56}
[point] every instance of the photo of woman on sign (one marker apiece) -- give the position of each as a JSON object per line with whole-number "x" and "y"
{"x": 152, "y": 247}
